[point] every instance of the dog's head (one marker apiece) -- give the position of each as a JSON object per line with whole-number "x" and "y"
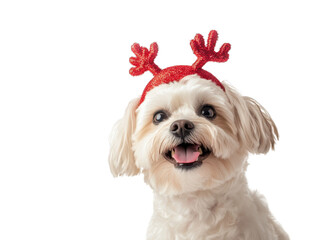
{"x": 189, "y": 135}
{"x": 188, "y": 132}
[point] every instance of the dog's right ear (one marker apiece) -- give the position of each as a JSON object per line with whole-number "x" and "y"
{"x": 121, "y": 156}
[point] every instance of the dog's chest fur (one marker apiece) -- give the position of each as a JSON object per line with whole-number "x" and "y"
{"x": 209, "y": 216}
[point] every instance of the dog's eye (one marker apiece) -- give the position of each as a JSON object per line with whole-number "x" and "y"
{"x": 159, "y": 117}
{"x": 208, "y": 112}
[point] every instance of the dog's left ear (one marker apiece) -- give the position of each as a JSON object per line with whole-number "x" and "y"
{"x": 256, "y": 130}
{"x": 121, "y": 156}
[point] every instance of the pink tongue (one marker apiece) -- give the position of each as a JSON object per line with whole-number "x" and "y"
{"x": 186, "y": 154}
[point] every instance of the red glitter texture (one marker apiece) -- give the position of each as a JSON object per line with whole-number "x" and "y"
{"x": 144, "y": 61}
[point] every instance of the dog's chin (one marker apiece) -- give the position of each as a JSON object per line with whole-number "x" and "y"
{"x": 187, "y": 156}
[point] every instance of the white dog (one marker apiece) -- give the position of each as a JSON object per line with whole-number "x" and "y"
{"x": 190, "y": 136}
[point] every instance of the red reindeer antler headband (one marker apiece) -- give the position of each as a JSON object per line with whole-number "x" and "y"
{"x": 144, "y": 61}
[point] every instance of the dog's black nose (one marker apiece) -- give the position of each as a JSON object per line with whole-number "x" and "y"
{"x": 181, "y": 128}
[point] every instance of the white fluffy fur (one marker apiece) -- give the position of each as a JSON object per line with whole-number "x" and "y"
{"x": 212, "y": 201}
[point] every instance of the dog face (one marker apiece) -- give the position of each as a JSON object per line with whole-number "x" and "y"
{"x": 189, "y": 135}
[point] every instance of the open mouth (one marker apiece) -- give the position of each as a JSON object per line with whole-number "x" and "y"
{"x": 187, "y": 156}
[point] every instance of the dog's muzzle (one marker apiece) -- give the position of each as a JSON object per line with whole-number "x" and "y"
{"x": 185, "y": 155}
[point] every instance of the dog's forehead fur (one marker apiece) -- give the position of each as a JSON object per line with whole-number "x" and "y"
{"x": 189, "y": 93}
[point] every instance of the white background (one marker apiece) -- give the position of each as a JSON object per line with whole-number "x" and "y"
{"x": 64, "y": 82}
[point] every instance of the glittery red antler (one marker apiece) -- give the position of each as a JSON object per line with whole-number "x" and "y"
{"x": 144, "y": 60}
{"x": 207, "y": 53}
